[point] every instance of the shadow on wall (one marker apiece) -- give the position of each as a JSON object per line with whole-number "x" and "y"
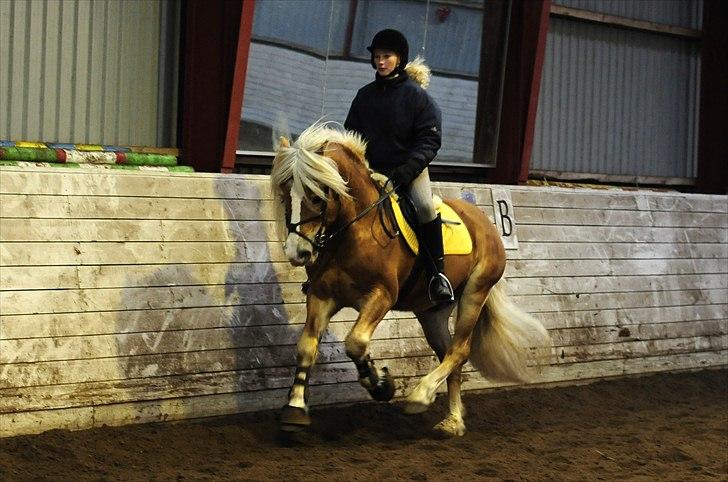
{"x": 258, "y": 286}
{"x": 209, "y": 333}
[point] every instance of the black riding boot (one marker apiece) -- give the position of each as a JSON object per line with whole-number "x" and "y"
{"x": 439, "y": 288}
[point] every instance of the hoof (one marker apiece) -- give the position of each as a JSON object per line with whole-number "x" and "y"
{"x": 412, "y": 408}
{"x": 450, "y": 428}
{"x": 383, "y": 391}
{"x": 294, "y": 419}
{"x": 418, "y": 401}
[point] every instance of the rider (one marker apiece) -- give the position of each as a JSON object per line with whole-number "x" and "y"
{"x": 402, "y": 126}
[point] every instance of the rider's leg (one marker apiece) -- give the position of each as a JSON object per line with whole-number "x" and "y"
{"x": 420, "y": 191}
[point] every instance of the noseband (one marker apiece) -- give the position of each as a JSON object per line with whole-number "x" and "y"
{"x": 321, "y": 239}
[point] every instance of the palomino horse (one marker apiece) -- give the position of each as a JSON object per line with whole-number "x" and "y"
{"x": 330, "y": 206}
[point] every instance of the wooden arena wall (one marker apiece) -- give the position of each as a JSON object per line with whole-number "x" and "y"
{"x": 137, "y": 296}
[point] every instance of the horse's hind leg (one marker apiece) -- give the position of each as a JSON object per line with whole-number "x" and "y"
{"x": 469, "y": 308}
{"x": 435, "y": 326}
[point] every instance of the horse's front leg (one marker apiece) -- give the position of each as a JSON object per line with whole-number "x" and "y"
{"x": 376, "y": 380}
{"x": 294, "y": 416}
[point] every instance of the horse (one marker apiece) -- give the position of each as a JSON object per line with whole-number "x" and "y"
{"x": 329, "y": 211}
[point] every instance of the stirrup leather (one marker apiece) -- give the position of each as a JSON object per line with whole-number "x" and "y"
{"x": 436, "y": 278}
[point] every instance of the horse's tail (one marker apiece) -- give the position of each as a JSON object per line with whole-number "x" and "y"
{"x": 508, "y": 343}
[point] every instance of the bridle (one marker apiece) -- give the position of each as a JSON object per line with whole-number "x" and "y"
{"x": 321, "y": 239}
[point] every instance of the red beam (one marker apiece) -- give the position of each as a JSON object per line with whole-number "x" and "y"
{"x": 238, "y": 86}
{"x": 209, "y": 64}
{"x": 524, "y": 61}
{"x": 540, "y": 49}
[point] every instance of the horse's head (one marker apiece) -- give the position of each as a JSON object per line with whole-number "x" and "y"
{"x": 309, "y": 189}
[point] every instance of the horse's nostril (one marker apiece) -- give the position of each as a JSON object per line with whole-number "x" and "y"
{"x": 304, "y": 255}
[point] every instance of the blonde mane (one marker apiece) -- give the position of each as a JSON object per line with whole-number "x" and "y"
{"x": 306, "y": 165}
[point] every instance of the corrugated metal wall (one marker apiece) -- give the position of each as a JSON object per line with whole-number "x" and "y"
{"x": 89, "y": 71}
{"x": 682, "y": 13}
{"x": 616, "y": 101}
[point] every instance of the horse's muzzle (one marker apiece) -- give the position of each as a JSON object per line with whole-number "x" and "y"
{"x": 298, "y": 251}
{"x": 302, "y": 258}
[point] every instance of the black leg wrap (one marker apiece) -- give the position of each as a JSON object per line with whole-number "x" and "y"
{"x": 295, "y": 419}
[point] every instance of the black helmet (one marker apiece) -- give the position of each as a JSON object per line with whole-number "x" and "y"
{"x": 390, "y": 39}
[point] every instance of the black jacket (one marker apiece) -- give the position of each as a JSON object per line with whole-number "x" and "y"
{"x": 400, "y": 122}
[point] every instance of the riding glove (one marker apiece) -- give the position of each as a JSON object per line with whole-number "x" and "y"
{"x": 403, "y": 175}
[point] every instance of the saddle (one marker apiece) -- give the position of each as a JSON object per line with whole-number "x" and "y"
{"x": 455, "y": 236}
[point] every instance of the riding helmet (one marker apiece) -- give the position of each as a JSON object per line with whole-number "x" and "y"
{"x": 390, "y": 39}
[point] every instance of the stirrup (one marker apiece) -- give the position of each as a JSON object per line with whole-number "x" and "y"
{"x": 450, "y": 296}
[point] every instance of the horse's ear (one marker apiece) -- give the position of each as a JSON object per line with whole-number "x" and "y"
{"x": 283, "y": 142}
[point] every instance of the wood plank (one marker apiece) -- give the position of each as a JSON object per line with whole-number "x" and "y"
{"x": 160, "y": 388}
{"x": 609, "y": 199}
{"x": 145, "y": 389}
{"x": 604, "y": 369}
{"x": 394, "y": 337}
{"x": 598, "y": 217}
{"x": 398, "y": 332}
{"x": 139, "y": 321}
{"x": 114, "y": 299}
{"x": 136, "y": 321}
{"x": 691, "y": 203}
{"x": 599, "y": 250}
{"x": 174, "y": 185}
{"x": 231, "y": 186}
{"x": 121, "y": 276}
{"x": 646, "y": 332}
{"x": 139, "y": 253}
{"x": 139, "y": 207}
{"x": 612, "y": 284}
{"x": 587, "y": 234}
{"x": 523, "y": 268}
{"x": 59, "y": 372}
{"x": 133, "y": 344}
{"x": 538, "y": 303}
{"x": 74, "y": 230}
{"x": 166, "y": 410}
{"x": 618, "y": 317}
{"x": 549, "y": 197}
{"x": 154, "y": 362}
{"x": 130, "y": 183}
{"x": 100, "y": 253}
{"x": 251, "y": 381}
{"x": 63, "y": 301}
{"x": 640, "y": 349}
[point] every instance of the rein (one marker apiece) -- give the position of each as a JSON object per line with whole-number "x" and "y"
{"x": 321, "y": 239}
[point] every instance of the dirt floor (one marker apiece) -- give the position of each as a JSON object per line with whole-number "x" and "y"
{"x": 661, "y": 427}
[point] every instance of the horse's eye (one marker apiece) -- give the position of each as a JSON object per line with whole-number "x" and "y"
{"x": 314, "y": 202}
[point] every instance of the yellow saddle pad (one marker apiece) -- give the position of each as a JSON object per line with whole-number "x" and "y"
{"x": 455, "y": 237}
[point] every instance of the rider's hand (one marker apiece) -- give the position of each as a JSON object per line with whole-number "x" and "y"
{"x": 403, "y": 175}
